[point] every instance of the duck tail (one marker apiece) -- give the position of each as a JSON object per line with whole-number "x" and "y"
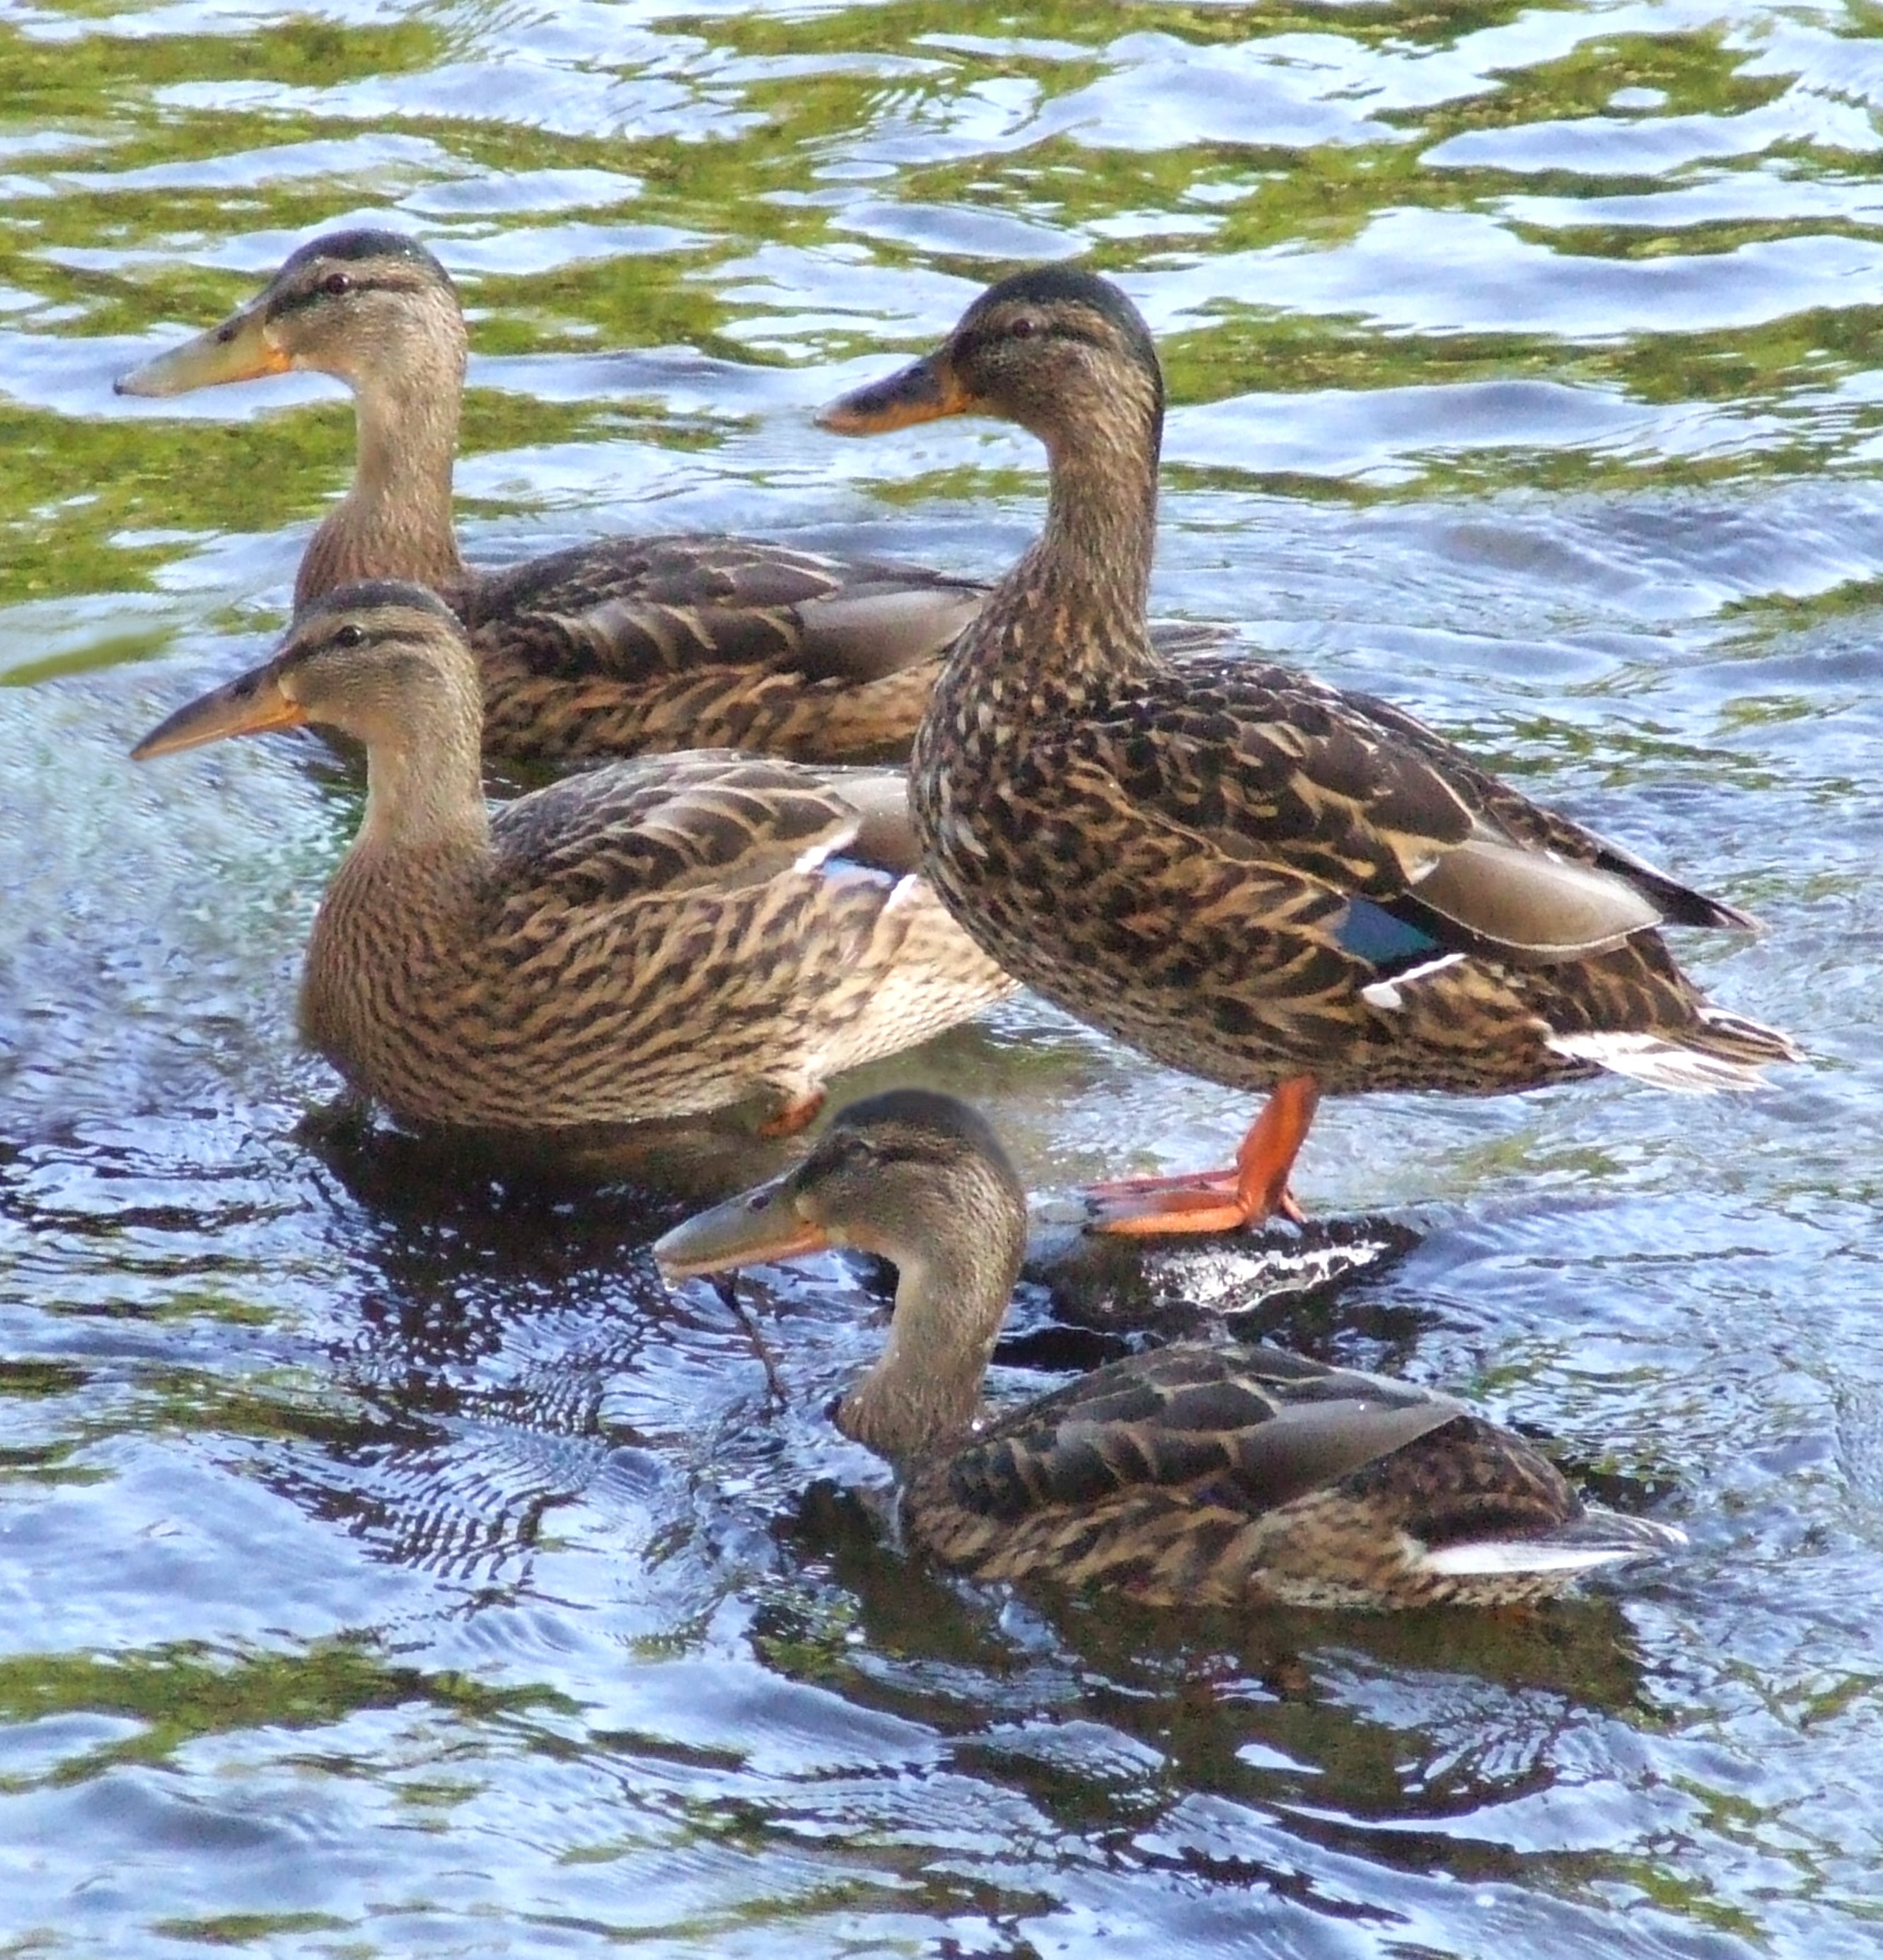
{"x": 1716, "y": 1051}
{"x": 1751, "y": 1042}
{"x": 1584, "y": 1543}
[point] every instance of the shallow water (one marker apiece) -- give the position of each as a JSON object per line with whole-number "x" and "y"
{"x": 390, "y": 1566}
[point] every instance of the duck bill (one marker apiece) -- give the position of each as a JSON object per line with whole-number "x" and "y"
{"x": 238, "y": 350}
{"x": 756, "y": 1228}
{"x": 923, "y": 391}
{"x": 244, "y": 707}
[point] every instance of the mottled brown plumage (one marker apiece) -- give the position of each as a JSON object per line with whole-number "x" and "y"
{"x": 1195, "y": 1475}
{"x": 656, "y": 938}
{"x": 624, "y": 646}
{"x": 1244, "y": 872}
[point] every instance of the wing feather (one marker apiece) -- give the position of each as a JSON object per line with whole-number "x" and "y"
{"x": 1268, "y": 1426}
{"x": 635, "y": 610}
{"x": 1265, "y": 767}
{"x": 711, "y": 820}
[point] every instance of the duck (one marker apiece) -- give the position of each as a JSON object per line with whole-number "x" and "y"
{"x": 620, "y": 647}
{"x": 663, "y": 937}
{"x": 1193, "y": 1474}
{"x": 1246, "y": 873}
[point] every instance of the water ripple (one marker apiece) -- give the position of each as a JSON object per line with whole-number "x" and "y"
{"x": 393, "y": 1562}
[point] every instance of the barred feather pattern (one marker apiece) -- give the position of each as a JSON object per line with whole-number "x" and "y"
{"x": 1245, "y": 873}
{"x": 1238, "y": 1477}
{"x": 648, "y": 646}
{"x": 636, "y": 646}
{"x": 623, "y": 647}
{"x": 660, "y": 938}
{"x": 1168, "y": 854}
{"x": 632, "y": 646}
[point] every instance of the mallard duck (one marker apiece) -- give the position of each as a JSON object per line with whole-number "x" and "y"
{"x": 1191, "y": 1475}
{"x": 655, "y": 938}
{"x": 1244, "y": 873}
{"x": 624, "y": 646}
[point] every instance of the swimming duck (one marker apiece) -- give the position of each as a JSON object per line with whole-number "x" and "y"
{"x": 1192, "y": 1474}
{"x": 655, "y": 938}
{"x": 1249, "y": 875}
{"x": 621, "y": 647}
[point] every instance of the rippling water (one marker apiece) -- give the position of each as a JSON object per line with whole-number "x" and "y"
{"x": 389, "y": 1565}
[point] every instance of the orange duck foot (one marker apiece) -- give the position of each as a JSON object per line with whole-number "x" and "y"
{"x": 1223, "y": 1200}
{"x": 794, "y": 1116}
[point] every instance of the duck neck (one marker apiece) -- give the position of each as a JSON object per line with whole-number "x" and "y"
{"x": 950, "y": 1300}
{"x": 395, "y": 521}
{"x": 424, "y": 790}
{"x": 1079, "y": 597}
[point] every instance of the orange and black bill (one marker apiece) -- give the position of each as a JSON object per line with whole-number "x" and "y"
{"x": 245, "y": 706}
{"x": 757, "y": 1228}
{"x": 923, "y": 391}
{"x": 238, "y": 350}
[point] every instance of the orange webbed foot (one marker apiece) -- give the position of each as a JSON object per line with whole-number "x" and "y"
{"x": 1226, "y": 1201}
{"x": 794, "y": 1116}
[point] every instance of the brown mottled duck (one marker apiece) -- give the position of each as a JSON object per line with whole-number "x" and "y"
{"x": 1248, "y": 874}
{"x": 655, "y": 938}
{"x": 621, "y": 647}
{"x": 1191, "y": 1475}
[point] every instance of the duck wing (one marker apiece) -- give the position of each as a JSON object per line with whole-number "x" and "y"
{"x": 640, "y": 609}
{"x": 1252, "y": 1428}
{"x": 1545, "y": 830}
{"x": 706, "y": 822}
{"x": 1295, "y": 784}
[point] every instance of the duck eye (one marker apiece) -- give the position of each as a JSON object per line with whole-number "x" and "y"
{"x": 349, "y": 635}
{"x": 840, "y": 1152}
{"x": 1024, "y": 328}
{"x": 336, "y": 283}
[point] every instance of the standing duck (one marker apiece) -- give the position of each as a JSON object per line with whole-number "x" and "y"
{"x": 1192, "y": 1475}
{"x": 661, "y": 938}
{"x": 621, "y": 647}
{"x": 1247, "y": 874}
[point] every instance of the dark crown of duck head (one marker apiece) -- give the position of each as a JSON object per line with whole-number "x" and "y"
{"x": 365, "y": 245}
{"x": 1058, "y": 293}
{"x": 929, "y": 1115}
{"x": 315, "y": 626}
{"x": 368, "y": 594}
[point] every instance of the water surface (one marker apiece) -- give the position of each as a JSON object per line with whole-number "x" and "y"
{"x": 391, "y": 1565}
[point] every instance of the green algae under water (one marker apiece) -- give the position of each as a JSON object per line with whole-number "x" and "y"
{"x": 388, "y": 1565}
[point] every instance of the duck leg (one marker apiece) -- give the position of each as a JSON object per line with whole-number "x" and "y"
{"x": 792, "y": 1117}
{"x": 1221, "y": 1200}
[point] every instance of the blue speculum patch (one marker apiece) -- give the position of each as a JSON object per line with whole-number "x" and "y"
{"x": 1371, "y": 933}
